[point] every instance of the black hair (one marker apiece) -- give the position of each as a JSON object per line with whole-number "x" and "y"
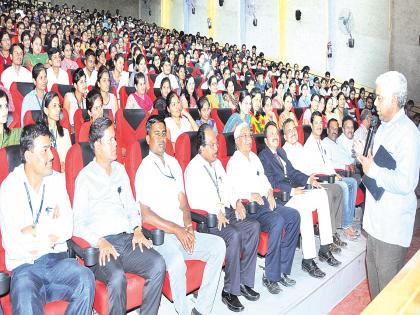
{"x": 331, "y": 121}
{"x": 137, "y": 77}
{"x": 5, "y": 127}
{"x": 102, "y": 70}
{"x": 153, "y": 120}
{"x": 77, "y": 75}
{"x": 89, "y": 52}
{"x": 288, "y": 120}
{"x": 52, "y": 51}
{"x": 28, "y": 136}
{"x": 186, "y": 93}
{"x": 168, "y": 101}
{"x": 37, "y": 69}
{"x": 347, "y": 118}
{"x": 201, "y": 102}
{"x": 201, "y": 136}
{"x": 315, "y": 114}
{"x": 97, "y": 130}
{"x": 313, "y": 96}
{"x": 91, "y": 97}
{"x": 270, "y": 123}
{"x": 46, "y": 101}
{"x": 165, "y": 79}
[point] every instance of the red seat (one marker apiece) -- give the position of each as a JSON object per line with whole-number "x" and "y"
{"x": 125, "y": 91}
{"x": 195, "y": 268}
{"x": 186, "y": 148}
{"x": 79, "y": 155}
{"x": 130, "y": 126}
{"x": 81, "y": 116}
{"x": 18, "y": 90}
{"x": 221, "y": 116}
{"x": 61, "y": 90}
{"x": 9, "y": 159}
{"x": 33, "y": 116}
{"x": 227, "y": 147}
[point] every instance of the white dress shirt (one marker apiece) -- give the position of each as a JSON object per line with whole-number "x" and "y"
{"x": 391, "y": 219}
{"x": 247, "y": 175}
{"x": 16, "y": 214}
{"x": 361, "y": 133}
{"x": 104, "y": 204}
{"x": 10, "y": 75}
{"x": 336, "y": 154}
{"x": 296, "y": 156}
{"x": 201, "y": 189}
{"x": 62, "y": 78}
{"x": 317, "y": 160}
{"x": 347, "y": 145}
{"x": 158, "y": 186}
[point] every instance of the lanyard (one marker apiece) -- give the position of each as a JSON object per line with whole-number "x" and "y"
{"x": 215, "y": 183}
{"x": 54, "y": 138}
{"x": 30, "y": 203}
{"x": 171, "y": 176}
{"x": 39, "y": 103}
{"x": 320, "y": 150}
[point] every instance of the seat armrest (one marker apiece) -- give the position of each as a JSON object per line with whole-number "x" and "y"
{"x": 4, "y": 283}
{"x": 78, "y": 247}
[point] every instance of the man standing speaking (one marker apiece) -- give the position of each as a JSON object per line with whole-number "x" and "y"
{"x": 394, "y": 165}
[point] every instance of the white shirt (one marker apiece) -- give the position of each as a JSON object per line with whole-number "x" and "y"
{"x": 347, "y": 145}
{"x": 158, "y": 186}
{"x": 391, "y": 219}
{"x": 175, "y": 131}
{"x": 317, "y": 160}
{"x": 10, "y": 75}
{"x": 336, "y": 154}
{"x": 104, "y": 204}
{"x": 201, "y": 188}
{"x": 361, "y": 133}
{"x": 91, "y": 80}
{"x": 15, "y": 214}
{"x": 172, "y": 79}
{"x": 247, "y": 175}
{"x": 62, "y": 78}
{"x": 296, "y": 156}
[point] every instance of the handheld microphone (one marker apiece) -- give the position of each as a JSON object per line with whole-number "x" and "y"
{"x": 368, "y": 141}
{"x": 119, "y": 189}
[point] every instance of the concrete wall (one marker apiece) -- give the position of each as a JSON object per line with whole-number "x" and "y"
{"x": 126, "y": 7}
{"x": 405, "y": 46}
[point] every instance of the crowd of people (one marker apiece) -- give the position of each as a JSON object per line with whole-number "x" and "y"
{"x": 98, "y": 54}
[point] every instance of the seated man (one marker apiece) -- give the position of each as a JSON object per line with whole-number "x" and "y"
{"x": 107, "y": 216}
{"x": 282, "y": 175}
{"x": 54, "y": 73}
{"x": 208, "y": 188}
{"x": 249, "y": 182}
{"x": 160, "y": 191}
{"x": 318, "y": 162}
{"x": 16, "y": 73}
{"x": 36, "y": 221}
{"x": 295, "y": 154}
{"x": 366, "y": 120}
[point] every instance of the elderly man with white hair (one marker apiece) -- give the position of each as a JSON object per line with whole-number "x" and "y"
{"x": 246, "y": 174}
{"x": 389, "y": 220}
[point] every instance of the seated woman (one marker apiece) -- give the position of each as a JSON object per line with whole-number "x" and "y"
{"x": 179, "y": 120}
{"x": 313, "y": 108}
{"x": 76, "y": 98}
{"x": 268, "y": 110}
{"x": 60, "y": 136}
{"x": 215, "y": 99}
{"x": 257, "y": 114}
{"x": 230, "y": 99}
{"x": 140, "y": 66}
{"x": 278, "y": 102}
{"x": 165, "y": 89}
{"x": 204, "y": 109}
{"x": 139, "y": 99}
{"x": 103, "y": 84}
{"x": 189, "y": 96}
{"x": 33, "y": 100}
{"x": 68, "y": 62}
{"x": 329, "y": 111}
{"x": 94, "y": 106}
{"x": 7, "y": 136}
{"x": 35, "y": 56}
{"x": 242, "y": 113}
{"x": 118, "y": 77}
{"x": 287, "y": 112}
{"x": 305, "y": 97}
{"x": 341, "y": 110}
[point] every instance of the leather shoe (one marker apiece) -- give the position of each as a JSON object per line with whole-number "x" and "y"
{"x": 329, "y": 258}
{"x": 312, "y": 269}
{"x": 249, "y": 293}
{"x": 232, "y": 302}
{"x": 337, "y": 241}
{"x": 272, "y": 286}
{"x": 286, "y": 281}
{"x": 334, "y": 249}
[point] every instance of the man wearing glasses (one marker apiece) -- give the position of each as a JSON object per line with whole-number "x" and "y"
{"x": 160, "y": 191}
{"x": 246, "y": 174}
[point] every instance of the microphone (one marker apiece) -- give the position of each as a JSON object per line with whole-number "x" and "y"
{"x": 368, "y": 141}
{"x": 119, "y": 189}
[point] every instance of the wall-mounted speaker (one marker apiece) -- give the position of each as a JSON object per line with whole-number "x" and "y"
{"x": 255, "y": 22}
{"x": 351, "y": 42}
{"x": 193, "y": 10}
{"x": 221, "y": 2}
{"x": 298, "y": 15}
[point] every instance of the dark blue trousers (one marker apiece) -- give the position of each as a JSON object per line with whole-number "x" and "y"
{"x": 281, "y": 249}
{"x": 50, "y": 278}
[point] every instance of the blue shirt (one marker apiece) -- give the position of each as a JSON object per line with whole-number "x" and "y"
{"x": 31, "y": 101}
{"x": 391, "y": 219}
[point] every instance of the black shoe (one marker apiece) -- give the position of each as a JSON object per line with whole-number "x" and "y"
{"x": 232, "y": 302}
{"x": 272, "y": 286}
{"x": 329, "y": 258}
{"x": 286, "y": 281}
{"x": 312, "y": 269}
{"x": 249, "y": 293}
{"x": 337, "y": 241}
{"x": 334, "y": 248}
{"x": 194, "y": 312}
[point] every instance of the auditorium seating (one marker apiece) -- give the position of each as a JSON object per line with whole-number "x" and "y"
{"x": 81, "y": 116}
{"x": 34, "y": 116}
{"x": 18, "y": 90}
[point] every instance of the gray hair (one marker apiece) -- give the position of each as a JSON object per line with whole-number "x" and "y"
{"x": 395, "y": 84}
{"x": 239, "y": 128}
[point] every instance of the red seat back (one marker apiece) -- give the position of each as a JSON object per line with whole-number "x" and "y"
{"x": 125, "y": 91}
{"x": 186, "y": 148}
{"x": 61, "y": 90}
{"x": 33, "y": 116}
{"x": 221, "y": 116}
{"x": 81, "y": 116}
{"x": 18, "y": 90}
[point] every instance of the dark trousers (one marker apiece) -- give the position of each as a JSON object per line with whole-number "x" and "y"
{"x": 52, "y": 277}
{"x": 147, "y": 264}
{"x": 383, "y": 262}
{"x": 335, "y": 201}
{"x": 281, "y": 246}
{"x": 241, "y": 238}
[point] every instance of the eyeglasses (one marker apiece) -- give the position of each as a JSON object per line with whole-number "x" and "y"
{"x": 247, "y": 136}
